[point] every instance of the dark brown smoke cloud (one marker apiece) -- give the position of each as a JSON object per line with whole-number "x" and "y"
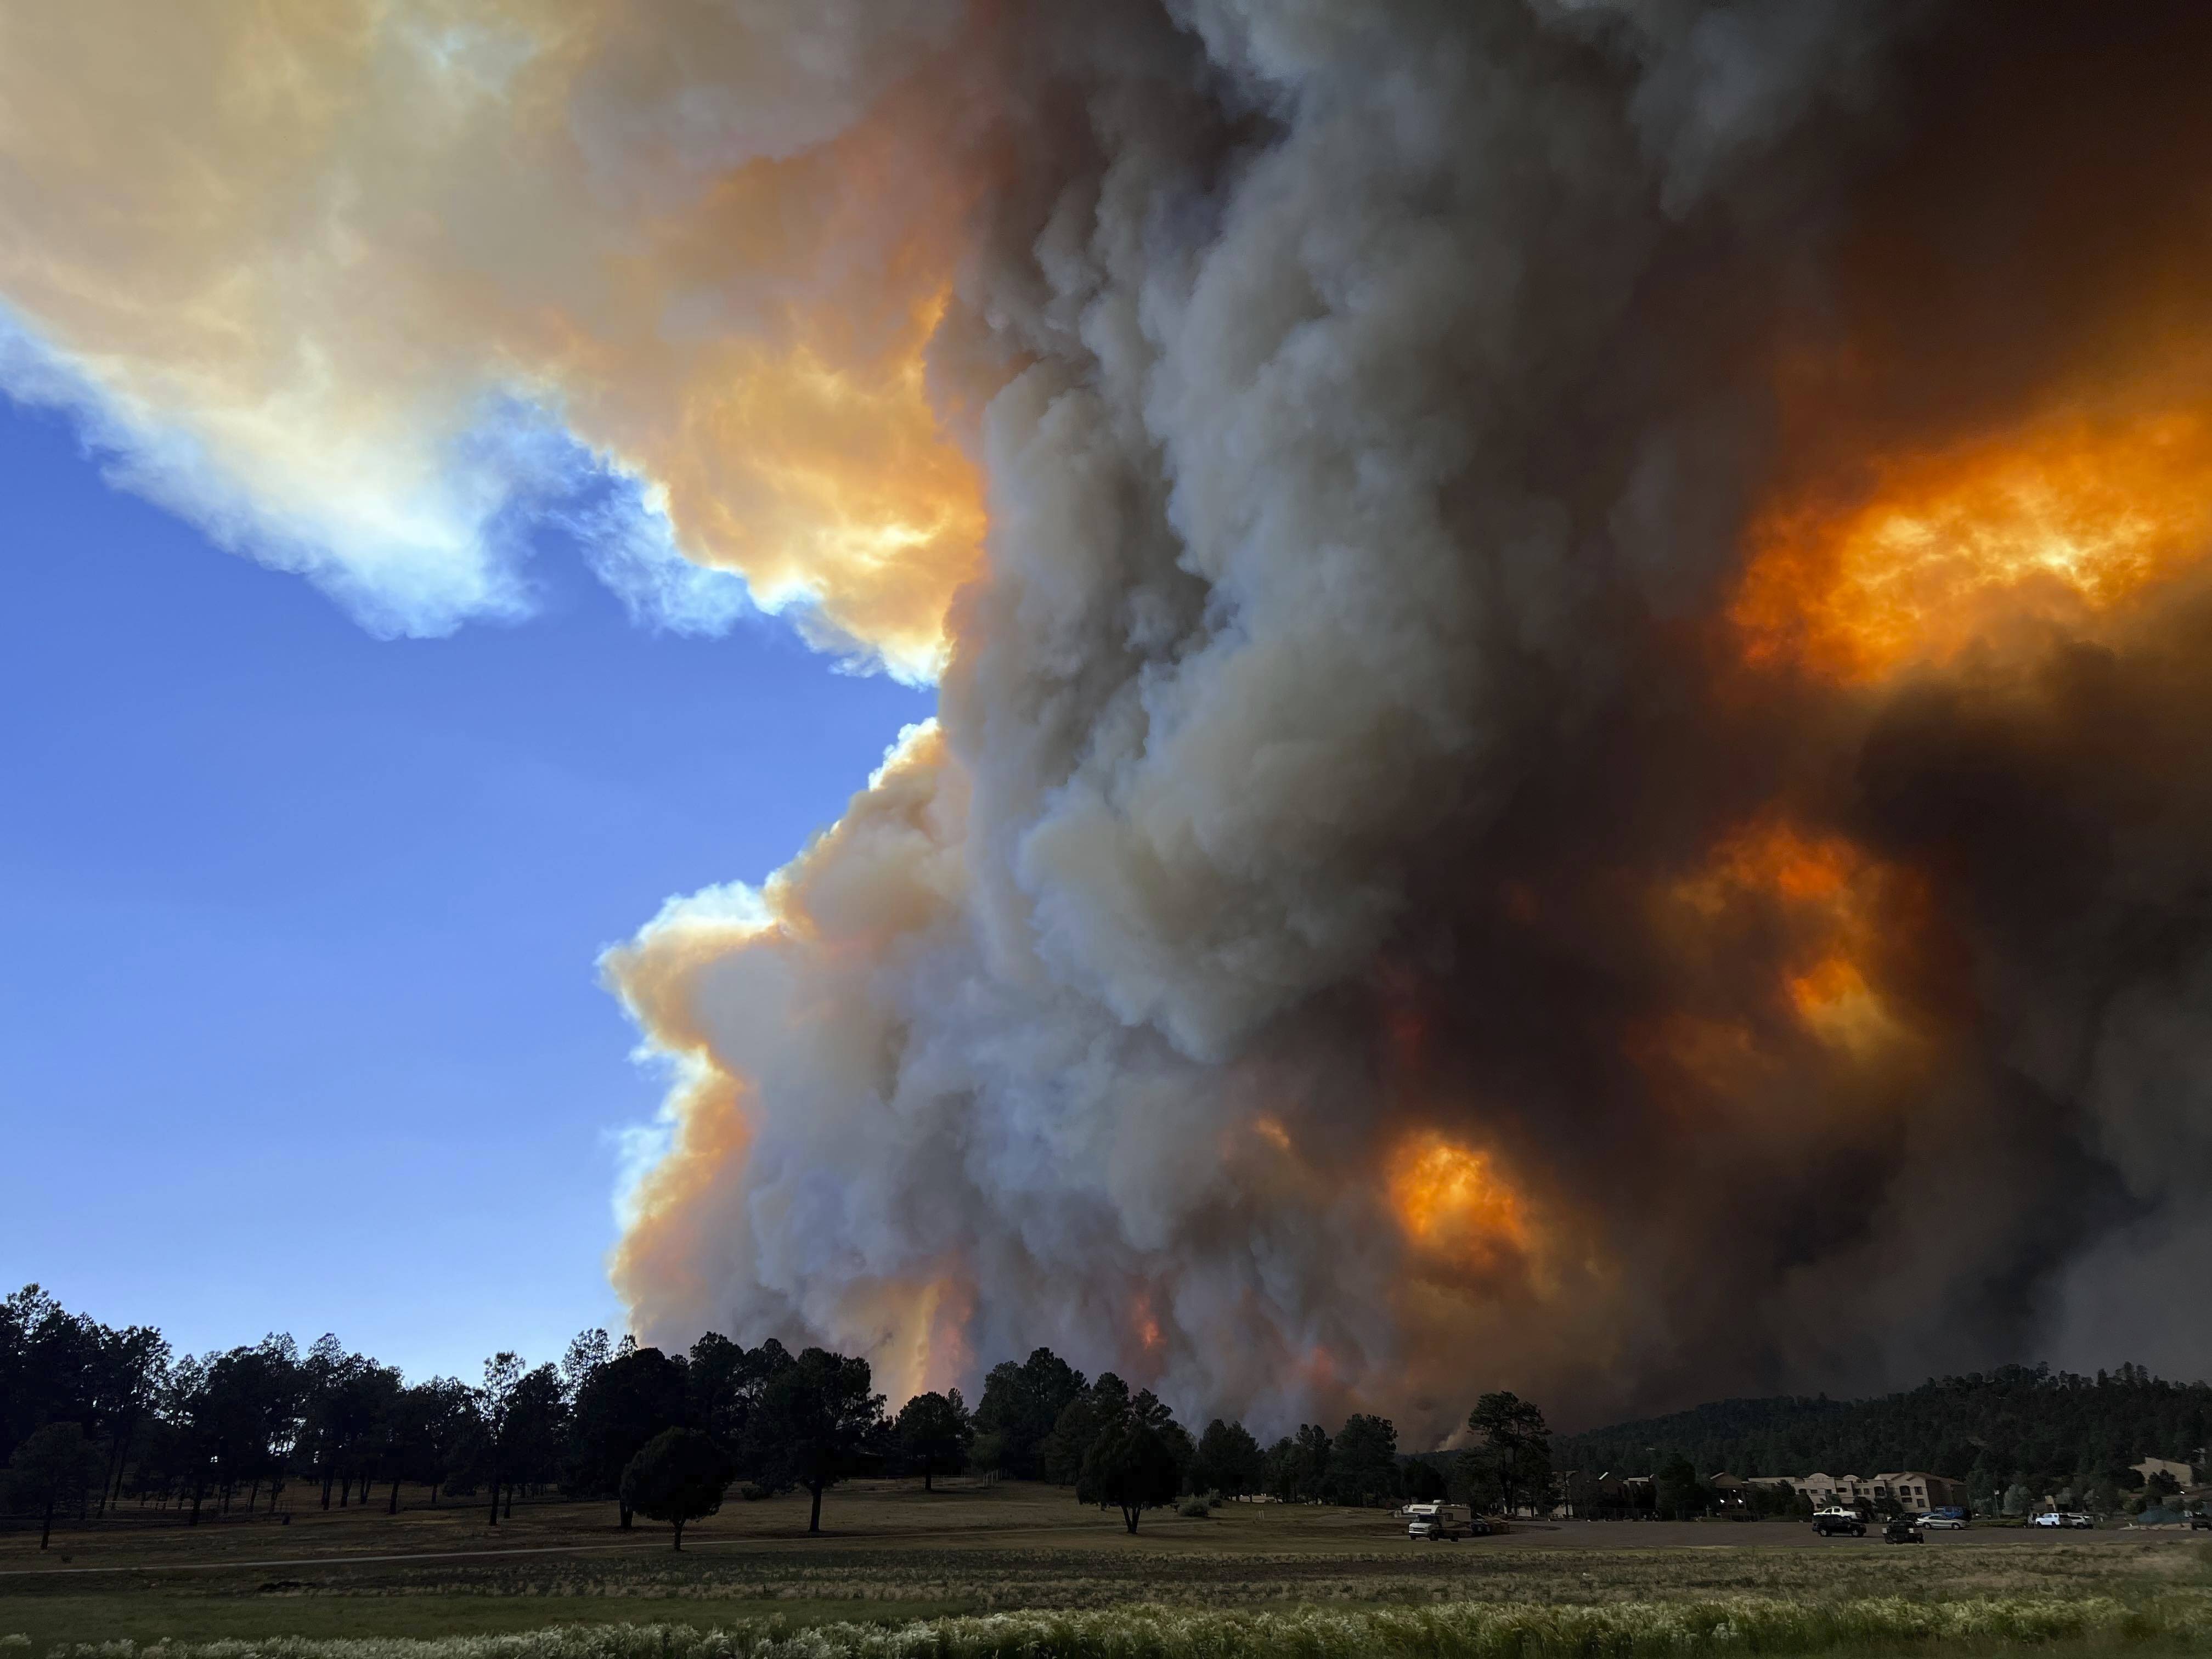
{"x": 1573, "y": 767}
{"x": 1572, "y": 634}
{"x": 1575, "y": 764}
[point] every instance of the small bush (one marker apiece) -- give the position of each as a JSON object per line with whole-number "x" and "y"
{"x": 753, "y": 1491}
{"x": 1195, "y": 1507}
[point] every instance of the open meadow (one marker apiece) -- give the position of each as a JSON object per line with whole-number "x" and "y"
{"x": 1248, "y": 1577}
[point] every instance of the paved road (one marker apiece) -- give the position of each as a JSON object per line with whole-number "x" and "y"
{"x": 146, "y": 1569}
{"x": 1791, "y": 1534}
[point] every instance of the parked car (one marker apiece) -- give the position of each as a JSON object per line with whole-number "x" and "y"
{"x": 2053, "y": 1518}
{"x": 2076, "y": 1519}
{"x": 1829, "y": 1522}
{"x": 1902, "y": 1530}
{"x": 1944, "y": 1520}
{"x": 2200, "y": 1521}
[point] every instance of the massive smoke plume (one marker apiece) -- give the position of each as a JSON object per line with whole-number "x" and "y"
{"x": 1571, "y": 637}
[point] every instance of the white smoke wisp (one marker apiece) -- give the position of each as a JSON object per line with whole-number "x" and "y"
{"x": 311, "y": 272}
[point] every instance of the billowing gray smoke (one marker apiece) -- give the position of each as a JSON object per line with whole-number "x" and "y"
{"x": 1570, "y": 632}
{"x": 1456, "y": 852}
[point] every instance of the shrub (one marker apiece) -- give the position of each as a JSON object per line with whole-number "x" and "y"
{"x": 1195, "y": 1508}
{"x": 1741, "y": 1624}
{"x": 677, "y": 1477}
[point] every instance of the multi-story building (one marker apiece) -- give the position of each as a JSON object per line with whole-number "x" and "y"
{"x": 1913, "y": 1489}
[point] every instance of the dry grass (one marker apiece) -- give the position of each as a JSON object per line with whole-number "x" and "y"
{"x": 895, "y": 1555}
{"x": 1737, "y": 1626}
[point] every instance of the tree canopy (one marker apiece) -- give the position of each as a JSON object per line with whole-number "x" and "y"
{"x": 2028, "y": 1426}
{"x": 1020, "y": 1405}
{"x": 1510, "y": 1462}
{"x": 621, "y": 1404}
{"x": 934, "y": 1432}
{"x": 1131, "y": 1466}
{"x": 234, "y": 1428}
{"x": 52, "y": 1468}
{"x": 1297, "y": 1469}
{"x": 677, "y": 1476}
{"x": 817, "y": 1417}
{"x": 1362, "y": 1466}
{"x": 1422, "y": 1481}
{"x": 1228, "y": 1461}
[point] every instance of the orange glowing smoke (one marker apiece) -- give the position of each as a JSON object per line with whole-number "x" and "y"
{"x": 2061, "y": 521}
{"x": 1451, "y": 1200}
{"x": 1836, "y": 1004}
{"x": 852, "y": 499}
{"x": 1147, "y": 1324}
{"x": 1826, "y": 894}
{"x": 1773, "y": 855}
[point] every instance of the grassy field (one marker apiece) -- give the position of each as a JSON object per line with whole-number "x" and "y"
{"x": 1248, "y": 1579}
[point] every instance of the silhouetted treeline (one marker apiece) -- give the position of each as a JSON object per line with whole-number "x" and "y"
{"x": 94, "y": 1418}
{"x": 1041, "y": 1420}
{"x": 2015, "y": 1427}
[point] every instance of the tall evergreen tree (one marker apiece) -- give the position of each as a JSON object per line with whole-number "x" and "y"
{"x": 934, "y": 1431}
{"x": 1512, "y": 1452}
{"x": 1132, "y": 1464}
{"x": 1020, "y": 1405}
{"x": 51, "y": 1470}
{"x": 1362, "y": 1466}
{"x": 1228, "y": 1460}
{"x": 621, "y": 1404}
{"x": 818, "y": 1419}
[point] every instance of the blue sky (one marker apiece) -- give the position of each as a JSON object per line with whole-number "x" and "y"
{"x": 300, "y": 1028}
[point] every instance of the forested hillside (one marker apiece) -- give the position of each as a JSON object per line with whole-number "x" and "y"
{"x": 2015, "y": 1425}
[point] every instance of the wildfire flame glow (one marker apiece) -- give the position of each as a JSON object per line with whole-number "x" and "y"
{"x": 1147, "y": 1324}
{"x": 1824, "y": 891}
{"x": 2065, "y": 519}
{"x": 1451, "y": 1200}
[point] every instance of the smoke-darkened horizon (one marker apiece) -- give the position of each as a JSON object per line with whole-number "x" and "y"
{"x": 1571, "y": 640}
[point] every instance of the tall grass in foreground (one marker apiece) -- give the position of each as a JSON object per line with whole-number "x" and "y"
{"x": 1737, "y": 1624}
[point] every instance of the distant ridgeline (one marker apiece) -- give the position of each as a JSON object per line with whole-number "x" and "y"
{"x": 2017, "y": 1424}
